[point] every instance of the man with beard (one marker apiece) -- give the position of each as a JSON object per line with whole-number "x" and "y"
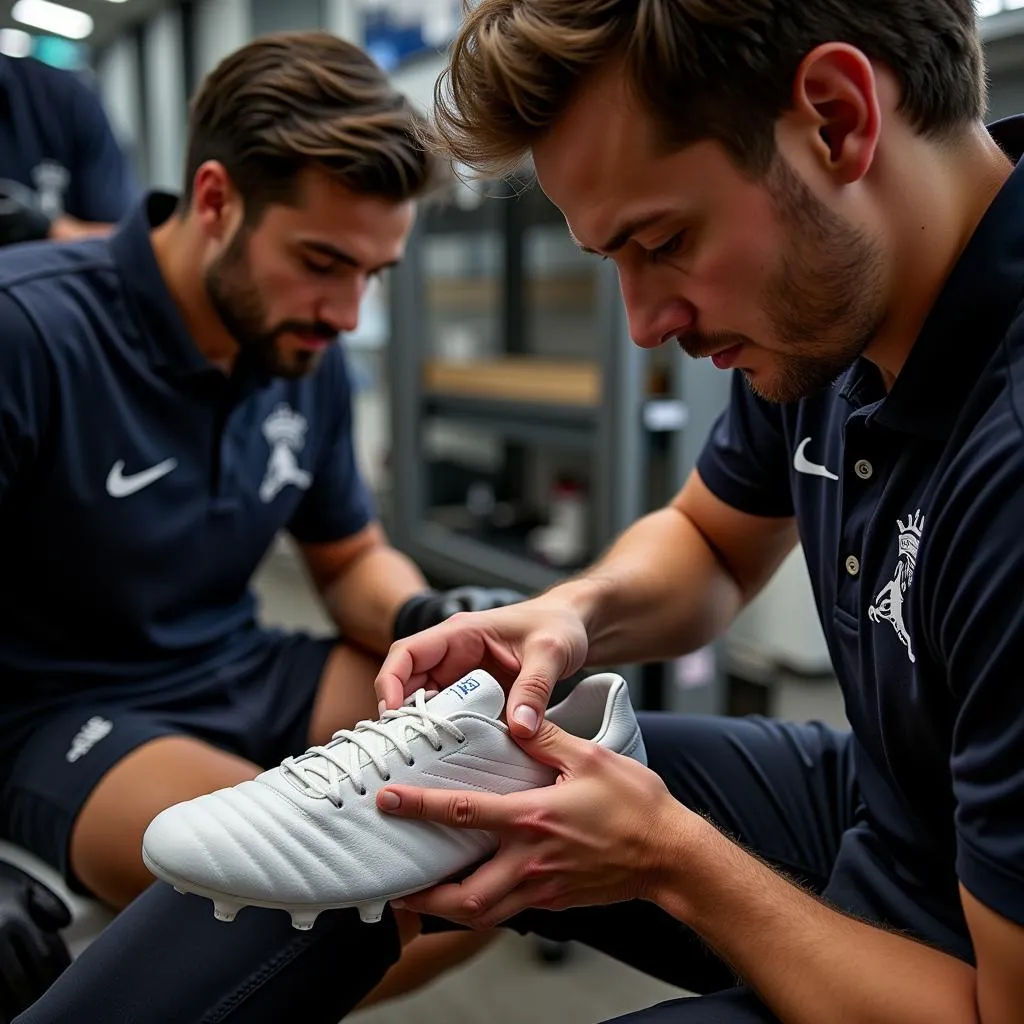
{"x": 805, "y": 192}
{"x": 173, "y": 397}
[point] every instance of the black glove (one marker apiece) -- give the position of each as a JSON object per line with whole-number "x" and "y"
{"x": 430, "y": 607}
{"x": 32, "y": 953}
{"x": 21, "y": 218}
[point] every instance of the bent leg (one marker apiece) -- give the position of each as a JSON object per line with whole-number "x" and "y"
{"x": 83, "y": 789}
{"x": 166, "y": 960}
{"x": 106, "y": 840}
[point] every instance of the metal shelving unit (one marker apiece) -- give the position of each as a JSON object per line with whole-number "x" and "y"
{"x": 552, "y": 370}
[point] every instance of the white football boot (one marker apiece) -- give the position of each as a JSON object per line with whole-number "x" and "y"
{"x": 307, "y": 836}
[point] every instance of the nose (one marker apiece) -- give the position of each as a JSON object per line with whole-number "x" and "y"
{"x": 341, "y": 307}
{"x": 654, "y": 307}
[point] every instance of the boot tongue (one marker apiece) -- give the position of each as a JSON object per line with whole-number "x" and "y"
{"x": 478, "y": 691}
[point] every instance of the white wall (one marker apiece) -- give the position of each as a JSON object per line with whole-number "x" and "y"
{"x": 117, "y": 74}
{"x": 165, "y": 99}
{"x": 219, "y": 27}
{"x": 417, "y": 80}
{"x": 118, "y": 82}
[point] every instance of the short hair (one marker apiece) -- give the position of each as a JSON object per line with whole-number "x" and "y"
{"x": 288, "y": 102}
{"x": 703, "y": 69}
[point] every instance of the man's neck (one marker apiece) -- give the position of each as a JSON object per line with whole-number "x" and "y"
{"x": 177, "y": 256}
{"x": 932, "y": 224}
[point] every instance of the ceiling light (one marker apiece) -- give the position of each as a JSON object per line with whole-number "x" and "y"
{"x": 15, "y": 43}
{"x": 51, "y": 17}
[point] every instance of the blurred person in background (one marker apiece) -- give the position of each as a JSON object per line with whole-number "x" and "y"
{"x": 62, "y": 173}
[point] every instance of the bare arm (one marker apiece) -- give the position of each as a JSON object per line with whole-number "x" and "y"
{"x": 676, "y": 578}
{"x": 824, "y": 966}
{"x": 363, "y": 582}
{"x": 67, "y": 229}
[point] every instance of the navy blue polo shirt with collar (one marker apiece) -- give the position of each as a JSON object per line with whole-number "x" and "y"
{"x": 139, "y": 485}
{"x": 910, "y": 509}
{"x": 56, "y": 140}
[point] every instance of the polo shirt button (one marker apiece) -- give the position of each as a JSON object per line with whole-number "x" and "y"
{"x": 864, "y": 469}
{"x": 853, "y": 565}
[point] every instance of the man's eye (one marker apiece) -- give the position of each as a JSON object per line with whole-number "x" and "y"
{"x": 318, "y": 268}
{"x": 668, "y": 248}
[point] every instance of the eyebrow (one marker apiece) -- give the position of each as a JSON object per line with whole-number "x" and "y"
{"x": 623, "y": 234}
{"x": 334, "y": 253}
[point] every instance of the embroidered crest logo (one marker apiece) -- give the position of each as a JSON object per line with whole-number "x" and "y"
{"x": 285, "y": 431}
{"x": 888, "y": 606}
{"x": 51, "y": 180}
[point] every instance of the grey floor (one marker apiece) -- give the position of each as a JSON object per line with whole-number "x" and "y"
{"x": 508, "y": 982}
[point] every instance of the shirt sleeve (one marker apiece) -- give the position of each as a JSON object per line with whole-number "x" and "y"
{"x": 25, "y": 395}
{"x": 745, "y": 460}
{"x": 101, "y": 189}
{"x": 978, "y": 595}
{"x": 338, "y": 503}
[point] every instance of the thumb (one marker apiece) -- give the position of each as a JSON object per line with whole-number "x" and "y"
{"x": 552, "y": 745}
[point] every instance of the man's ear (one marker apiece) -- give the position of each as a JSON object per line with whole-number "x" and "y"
{"x": 216, "y": 202}
{"x": 836, "y": 109}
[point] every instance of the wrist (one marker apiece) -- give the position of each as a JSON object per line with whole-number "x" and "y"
{"x": 586, "y": 596}
{"x": 688, "y": 864}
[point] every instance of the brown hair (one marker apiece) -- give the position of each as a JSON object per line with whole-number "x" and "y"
{"x": 704, "y": 69}
{"x": 290, "y": 101}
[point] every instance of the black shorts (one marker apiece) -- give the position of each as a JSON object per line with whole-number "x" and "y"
{"x": 259, "y": 709}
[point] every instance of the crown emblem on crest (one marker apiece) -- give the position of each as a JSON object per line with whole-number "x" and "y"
{"x": 910, "y": 535}
{"x": 285, "y": 425}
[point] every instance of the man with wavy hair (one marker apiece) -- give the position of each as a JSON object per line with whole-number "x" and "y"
{"x": 803, "y": 191}
{"x": 174, "y": 396}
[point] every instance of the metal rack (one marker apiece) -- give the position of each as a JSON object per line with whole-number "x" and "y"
{"x": 598, "y": 403}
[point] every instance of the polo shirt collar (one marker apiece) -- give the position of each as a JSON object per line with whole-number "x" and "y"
{"x": 170, "y": 345}
{"x": 970, "y": 317}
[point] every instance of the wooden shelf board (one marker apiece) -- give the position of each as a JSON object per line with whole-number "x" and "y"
{"x": 522, "y": 379}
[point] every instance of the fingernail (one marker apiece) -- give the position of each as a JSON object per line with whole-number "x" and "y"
{"x": 390, "y": 801}
{"x": 526, "y": 717}
{"x": 382, "y": 706}
{"x": 398, "y": 904}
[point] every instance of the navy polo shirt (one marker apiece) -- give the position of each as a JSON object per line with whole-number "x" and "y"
{"x": 910, "y": 508}
{"x": 139, "y": 485}
{"x": 56, "y": 140}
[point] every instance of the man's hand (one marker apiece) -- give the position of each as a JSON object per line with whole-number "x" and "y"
{"x": 32, "y": 953}
{"x": 528, "y": 647}
{"x": 599, "y": 835}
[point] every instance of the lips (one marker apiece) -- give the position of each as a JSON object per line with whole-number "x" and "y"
{"x": 726, "y": 359}
{"x": 315, "y": 342}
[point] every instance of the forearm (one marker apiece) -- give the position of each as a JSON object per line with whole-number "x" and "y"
{"x": 364, "y": 600}
{"x": 808, "y": 962}
{"x": 659, "y": 592}
{"x": 68, "y": 229}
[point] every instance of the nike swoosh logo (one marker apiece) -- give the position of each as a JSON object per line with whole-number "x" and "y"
{"x": 120, "y": 486}
{"x": 804, "y": 465}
